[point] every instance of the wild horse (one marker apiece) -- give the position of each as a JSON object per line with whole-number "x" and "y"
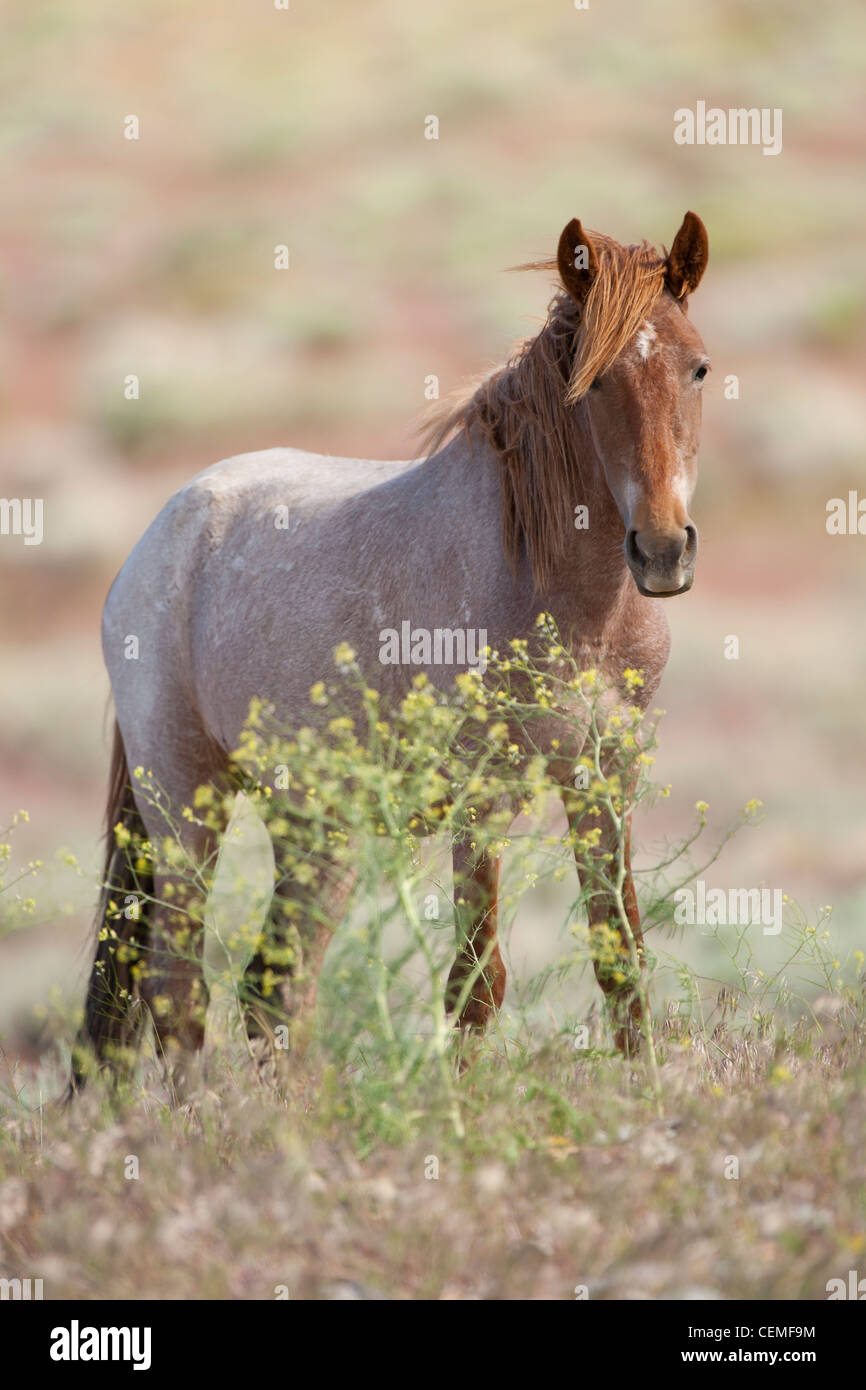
{"x": 219, "y": 602}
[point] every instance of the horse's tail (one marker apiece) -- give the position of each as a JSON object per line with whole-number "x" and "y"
{"x": 113, "y": 1010}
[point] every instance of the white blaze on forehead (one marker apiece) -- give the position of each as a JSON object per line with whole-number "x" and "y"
{"x": 645, "y": 337}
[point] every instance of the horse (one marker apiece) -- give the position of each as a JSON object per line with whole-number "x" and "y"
{"x": 259, "y": 565}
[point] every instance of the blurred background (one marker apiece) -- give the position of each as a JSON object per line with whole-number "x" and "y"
{"x": 306, "y": 127}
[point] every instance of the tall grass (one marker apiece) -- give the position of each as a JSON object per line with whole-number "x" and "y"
{"x": 364, "y": 789}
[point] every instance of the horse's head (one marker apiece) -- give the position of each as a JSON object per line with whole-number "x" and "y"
{"x": 638, "y": 372}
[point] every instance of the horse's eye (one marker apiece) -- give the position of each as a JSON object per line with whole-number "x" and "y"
{"x": 701, "y": 373}
{"x": 595, "y": 385}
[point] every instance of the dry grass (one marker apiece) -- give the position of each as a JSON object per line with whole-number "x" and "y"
{"x": 565, "y": 1178}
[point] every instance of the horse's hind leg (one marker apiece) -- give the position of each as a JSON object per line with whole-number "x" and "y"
{"x": 281, "y": 980}
{"x": 172, "y": 978}
{"x": 478, "y": 973}
{"x": 185, "y": 844}
{"x": 150, "y": 923}
{"x": 113, "y": 1011}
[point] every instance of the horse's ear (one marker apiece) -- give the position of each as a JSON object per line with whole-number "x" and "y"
{"x": 688, "y": 257}
{"x": 577, "y": 261}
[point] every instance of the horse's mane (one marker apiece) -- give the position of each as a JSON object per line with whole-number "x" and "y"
{"x": 523, "y": 408}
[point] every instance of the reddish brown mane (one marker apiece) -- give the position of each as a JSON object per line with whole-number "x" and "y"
{"x": 523, "y": 408}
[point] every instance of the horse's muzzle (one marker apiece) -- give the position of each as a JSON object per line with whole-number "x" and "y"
{"x": 662, "y": 564}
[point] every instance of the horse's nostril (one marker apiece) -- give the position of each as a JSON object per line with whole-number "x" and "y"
{"x": 690, "y": 549}
{"x": 633, "y": 552}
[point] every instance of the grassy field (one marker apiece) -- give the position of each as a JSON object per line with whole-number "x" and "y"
{"x": 391, "y": 1161}
{"x": 155, "y": 257}
{"x": 566, "y": 1176}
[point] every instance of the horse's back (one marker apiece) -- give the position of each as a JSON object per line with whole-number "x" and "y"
{"x": 290, "y": 474}
{"x": 271, "y": 489}
{"x": 258, "y": 534}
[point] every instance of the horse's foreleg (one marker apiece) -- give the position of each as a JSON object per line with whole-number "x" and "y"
{"x": 612, "y": 960}
{"x": 476, "y": 884}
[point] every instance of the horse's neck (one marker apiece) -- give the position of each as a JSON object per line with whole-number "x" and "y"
{"x": 591, "y": 581}
{"x": 591, "y": 588}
